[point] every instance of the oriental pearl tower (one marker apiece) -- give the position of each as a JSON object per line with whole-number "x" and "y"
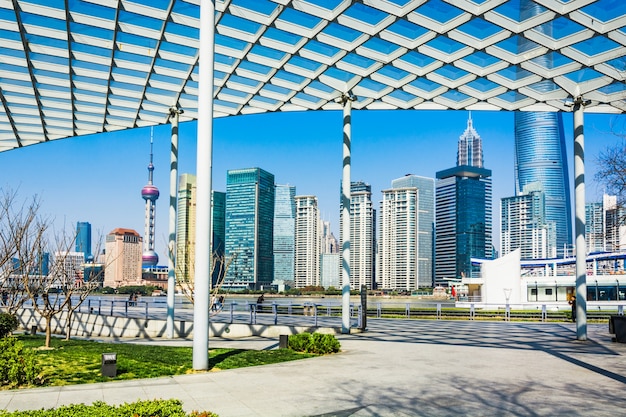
{"x": 150, "y": 194}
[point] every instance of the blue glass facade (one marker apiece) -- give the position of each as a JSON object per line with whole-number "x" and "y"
{"x": 218, "y": 224}
{"x": 540, "y": 156}
{"x": 463, "y": 221}
{"x": 250, "y": 198}
{"x": 284, "y": 233}
{"x": 83, "y": 238}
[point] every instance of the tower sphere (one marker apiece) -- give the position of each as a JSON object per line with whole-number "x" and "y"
{"x": 150, "y": 192}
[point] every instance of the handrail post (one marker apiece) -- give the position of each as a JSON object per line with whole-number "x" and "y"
{"x": 275, "y": 311}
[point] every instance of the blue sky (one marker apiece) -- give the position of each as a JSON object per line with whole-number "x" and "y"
{"x": 98, "y": 178}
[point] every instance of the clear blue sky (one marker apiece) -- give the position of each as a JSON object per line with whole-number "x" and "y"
{"x": 99, "y": 178}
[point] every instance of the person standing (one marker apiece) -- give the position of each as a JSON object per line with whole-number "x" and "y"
{"x": 572, "y": 302}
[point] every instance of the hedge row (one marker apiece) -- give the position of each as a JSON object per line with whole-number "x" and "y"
{"x": 155, "y": 408}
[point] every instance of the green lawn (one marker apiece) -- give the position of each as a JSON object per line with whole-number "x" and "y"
{"x": 79, "y": 361}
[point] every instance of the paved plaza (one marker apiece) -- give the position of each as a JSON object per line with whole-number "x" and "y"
{"x": 396, "y": 368}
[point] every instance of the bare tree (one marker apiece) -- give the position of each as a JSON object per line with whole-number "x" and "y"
{"x": 22, "y": 234}
{"x": 612, "y": 171}
{"x": 185, "y": 280}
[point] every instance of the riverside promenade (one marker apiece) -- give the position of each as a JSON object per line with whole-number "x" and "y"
{"x": 395, "y": 368}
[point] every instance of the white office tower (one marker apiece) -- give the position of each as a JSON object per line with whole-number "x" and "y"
{"x": 362, "y": 236}
{"x": 329, "y": 258}
{"x": 330, "y": 244}
{"x": 405, "y": 260}
{"x": 307, "y": 242}
{"x": 615, "y": 229}
{"x": 284, "y": 235}
{"x": 524, "y": 225}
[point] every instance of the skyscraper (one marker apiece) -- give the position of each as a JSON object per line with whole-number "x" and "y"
{"x": 540, "y": 156}
{"x": 362, "y": 236}
{"x": 150, "y": 194}
{"x": 186, "y": 229}
{"x": 307, "y": 242}
{"x": 405, "y": 258}
{"x": 524, "y": 225}
{"x": 249, "y": 228}
{"x": 463, "y": 212}
{"x": 470, "y": 147}
{"x": 83, "y": 239}
{"x": 284, "y": 234}
{"x": 594, "y": 227}
{"x": 614, "y": 227}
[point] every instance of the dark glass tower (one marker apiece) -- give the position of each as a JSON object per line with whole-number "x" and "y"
{"x": 83, "y": 238}
{"x": 540, "y": 156}
{"x": 250, "y": 198}
{"x": 463, "y": 211}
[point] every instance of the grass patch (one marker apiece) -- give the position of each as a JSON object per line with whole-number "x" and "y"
{"x": 79, "y": 361}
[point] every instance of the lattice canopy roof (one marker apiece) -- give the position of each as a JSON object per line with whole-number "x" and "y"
{"x": 76, "y": 67}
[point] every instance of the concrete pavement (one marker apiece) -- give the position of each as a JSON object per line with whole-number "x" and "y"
{"x": 396, "y": 368}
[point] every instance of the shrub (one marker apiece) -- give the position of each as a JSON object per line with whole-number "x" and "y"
{"x": 155, "y": 408}
{"x": 8, "y": 323}
{"x": 314, "y": 343}
{"x": 17, "y": 363}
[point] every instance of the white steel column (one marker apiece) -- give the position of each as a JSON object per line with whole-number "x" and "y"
{"x": 204, "y": 166}
{"x": 346, "y": 101}
{"x": 581, "y": 251}
{"x": 171, "y": 261}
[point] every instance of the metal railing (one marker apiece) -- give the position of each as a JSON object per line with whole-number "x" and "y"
{"x": 312, "y": 313}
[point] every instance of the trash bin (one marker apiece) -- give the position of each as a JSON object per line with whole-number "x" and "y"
{"x": 283, "y": 341}
{"x": 617, "y": 326}
{"x": 33, "y": 330}
{"x": 109, "y": 364}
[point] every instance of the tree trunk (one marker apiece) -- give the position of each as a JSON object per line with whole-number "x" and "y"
{"x": 68, "y": 326}
{"x": 48, "y": 330}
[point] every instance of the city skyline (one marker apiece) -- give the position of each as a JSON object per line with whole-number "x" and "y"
{"x": 98, "y": 178}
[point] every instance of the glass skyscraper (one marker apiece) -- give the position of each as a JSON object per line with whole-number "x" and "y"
{"x": 83, "y": 238}
{"x": 540, "y": 156}
{"x": 463, "y": 211}
{"x": 250, "y": 198}
{"x": 284, "y": 233}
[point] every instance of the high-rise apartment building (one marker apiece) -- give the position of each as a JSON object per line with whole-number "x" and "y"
{"x": 250, "y": 198}
{"x": 307, "y": 242}
{"x": 284, "y": 234}
{"x": 463, "y": 212}
{"x": 405, "y": 254}
{"x": 614, "y": 227}
{"x": 362, "y": 236}
{"x": 123, "y": 248}
{"x": 83, "y": 239}
{"x": 425, "y": 226}
{"x": 524, "y": 225}
{"x": 540, "y": 156}
{"x": 594, "y": 227}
